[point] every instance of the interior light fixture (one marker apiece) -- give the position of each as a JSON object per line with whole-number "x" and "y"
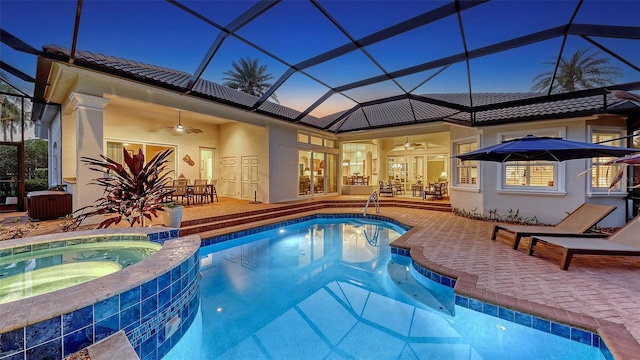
{"x": 179, "y": 127}
{"x": 406, "y": 142}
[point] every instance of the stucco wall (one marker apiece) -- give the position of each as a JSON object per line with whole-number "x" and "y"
{"x": 547, "y": 206}
{"x": 136, "y": 125}
{"x": 238, "y": 140}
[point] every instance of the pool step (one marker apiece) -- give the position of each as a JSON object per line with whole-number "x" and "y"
{"x": 208, "y": 224}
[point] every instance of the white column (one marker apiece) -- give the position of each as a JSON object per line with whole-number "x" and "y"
{"x": 89, "y": 116}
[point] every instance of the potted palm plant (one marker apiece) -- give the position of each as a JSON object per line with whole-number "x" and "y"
{"x": 133, "y": 191}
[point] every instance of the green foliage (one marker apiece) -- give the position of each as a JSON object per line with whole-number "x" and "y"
{"x": 583, "y": 70}
{"x": 133, "y": 193}
{"x": 16, "y": 230}
{"x": 511, "y": 216}
{"x": 35, "y": 185}
{"x": 249, "y": 76}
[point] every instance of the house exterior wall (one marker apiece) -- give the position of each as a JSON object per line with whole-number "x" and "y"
{"x": 547, "y": 206}
{"x": 469, "y": 198}
{"x": 238, "y": 140}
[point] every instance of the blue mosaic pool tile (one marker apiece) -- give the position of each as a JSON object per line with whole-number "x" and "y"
{"x": 163, "y": 236}
{"x": 48, "y": 350}
{"x": 184, "y": 267}
{"x": 176, "y": 287}
{"x": 475, "y": 305}
{"x": 490, "y": 309}
{"x": 12, "y": 342}
{"x": 106, "y": 308}
{"x": 435, "y": 277}
{"x": 77, "y": 319}
{"x": 561, "y": 330}
{"x": 163, "y": 349}
{"x": 43, "y": 331}
{"x": 148, "y": 289}
{"x": 149, "y": 305}
{"x": 148, "y": 347}
{"x": 164, "y": 297}
{"x": 106, "y": 327}
{"x": 581, "y": 336}
{"x": 129, "y": 298}
{"x": 523, "y": 319}
{"x": 78, "y": 340}
{"x": 129, "y": 316}
{"x": 147, "y": 316}
{"x": 462, "y": 301}
{"x": 542, "y": 324}
{"x": 18, "y": 356}
{"x": 6, "y": 252}
{"x": 164, "y": 280}
{"x": 176, "y": 273}
{"x": 174, "y": 233}
{"x": 605, "y": 351}
{"x": 596, "y": 340}
{"x": 154, "y": 237}
{"x": 131, "y": 327}
{"x": 506, "y": 314}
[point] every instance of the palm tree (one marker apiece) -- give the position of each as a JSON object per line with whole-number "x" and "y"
{"x": 583, "y": 70}
{"x": 11, "y": 110}
{"x": 249, "y": 76}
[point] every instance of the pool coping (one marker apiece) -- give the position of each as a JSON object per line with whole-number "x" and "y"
{"x": 617, "y": 339}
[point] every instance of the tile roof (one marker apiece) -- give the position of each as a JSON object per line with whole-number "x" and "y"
{"x": 396, "y": 112}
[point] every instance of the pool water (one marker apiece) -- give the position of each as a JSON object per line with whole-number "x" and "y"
{"x": 331, "y": 289}
{"x": 42, "y": 271}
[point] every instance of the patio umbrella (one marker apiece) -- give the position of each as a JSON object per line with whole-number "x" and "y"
{"x": 531, "y": 148}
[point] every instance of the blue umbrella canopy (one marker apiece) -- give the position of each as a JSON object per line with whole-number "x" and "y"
{"x": 530, "y": 148}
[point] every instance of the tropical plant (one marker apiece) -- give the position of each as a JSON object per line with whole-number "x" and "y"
{"x": 11, "y": 112}
{"x": 249, "y": 76}
{"x": 583, "y": 70}
{"x": 133, "y": 193}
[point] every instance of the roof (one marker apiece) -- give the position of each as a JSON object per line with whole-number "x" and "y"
{"x": 490, "y": 108}
{"x": 334, "y": 63}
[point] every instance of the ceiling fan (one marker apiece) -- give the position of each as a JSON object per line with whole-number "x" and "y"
{"x": 183, "y": 129}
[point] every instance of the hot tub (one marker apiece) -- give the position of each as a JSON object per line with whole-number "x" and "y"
{"x": 153, "y": 301}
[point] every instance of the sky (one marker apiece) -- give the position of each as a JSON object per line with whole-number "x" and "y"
{"x": 159, "y": 33}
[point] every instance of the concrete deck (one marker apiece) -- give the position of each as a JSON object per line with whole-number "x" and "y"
{"x": 597, "y": 292}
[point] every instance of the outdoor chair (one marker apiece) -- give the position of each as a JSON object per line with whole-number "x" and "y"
{"x": 436, "y": 191}
{"x": 212, "y": 188}
{"x": 180, "y": 190}
{"x": 624, "y": 242}
{"x": 385, "y": 190}
{"x": 200, "y": 190}
{"x": 578, "y": 222}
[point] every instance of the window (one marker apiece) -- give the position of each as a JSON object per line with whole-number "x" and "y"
{"x": 602, "y": 175}
{"x": 540, "y": 175}
{"x": 303, "y": 138}
{"x": 466, "y": 171}
{"x": 114, "y": 152}
{"x": 316, "y": 140}
{"x": 529, "y": 173}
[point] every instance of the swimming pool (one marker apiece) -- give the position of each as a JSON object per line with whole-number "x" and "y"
{"x": 330, "y": 288}
{"x": 29, "y": 271}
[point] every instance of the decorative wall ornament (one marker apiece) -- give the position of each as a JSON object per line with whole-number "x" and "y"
{"x": 188, "y": 160}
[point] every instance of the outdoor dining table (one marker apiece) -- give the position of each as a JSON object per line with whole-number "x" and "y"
{"x": 210, "y": 191}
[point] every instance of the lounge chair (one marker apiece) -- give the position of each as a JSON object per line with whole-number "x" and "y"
{"x": 624, "y": 242}
{"x": 575, "y": 224}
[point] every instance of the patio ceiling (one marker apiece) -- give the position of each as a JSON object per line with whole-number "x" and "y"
{"x": 340, "y": 66}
